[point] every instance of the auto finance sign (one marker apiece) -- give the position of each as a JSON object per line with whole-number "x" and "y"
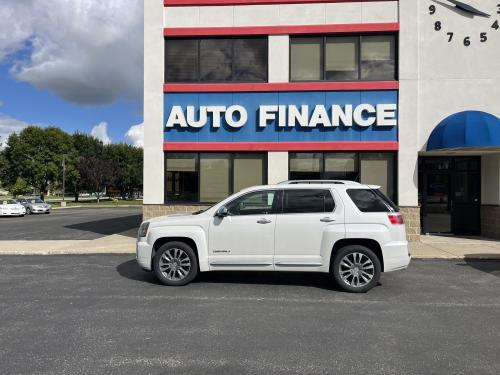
{"x": 281, "y": 116}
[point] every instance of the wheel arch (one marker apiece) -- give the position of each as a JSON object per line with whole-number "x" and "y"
{"x": 367, "y": 242}
{"x": 187, "y": 240}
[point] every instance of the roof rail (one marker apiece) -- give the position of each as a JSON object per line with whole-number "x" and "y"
{"x": 335, "y": 182}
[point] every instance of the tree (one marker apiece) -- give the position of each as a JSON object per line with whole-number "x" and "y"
{"x": 87, "y": 147}
{"x": 21, "y": 187}
{"x": 96, "y": 173}
{"x": 128, "y": 161}
{"x": 36, "y": 155}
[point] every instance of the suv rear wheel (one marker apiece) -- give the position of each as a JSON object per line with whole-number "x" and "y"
{"x": 175, "y": 264}
{"x": 356, "y": 268}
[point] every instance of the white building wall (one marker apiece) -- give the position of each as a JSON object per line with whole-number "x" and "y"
{"x": 282, "y": 14}
{"x": 153, "y": 102}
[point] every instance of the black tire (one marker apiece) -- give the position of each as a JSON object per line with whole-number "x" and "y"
{"x": 28, "y": 211}
{"x": 345, "y": 276}
{"x": 166, "y": 252}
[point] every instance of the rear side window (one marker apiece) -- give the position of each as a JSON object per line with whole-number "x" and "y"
{"x": 371, "y": 200}
{"x": 307, "y": 201}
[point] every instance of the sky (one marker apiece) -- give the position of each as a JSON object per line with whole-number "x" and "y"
{"x": 74, "y": 64}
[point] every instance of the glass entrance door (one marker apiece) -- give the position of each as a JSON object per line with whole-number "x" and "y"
{"x": 449, "y": 190}
{"x": 436, "y": 204}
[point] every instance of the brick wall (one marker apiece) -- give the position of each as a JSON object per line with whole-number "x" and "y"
{"x": 490, "y": 221}
{"x": 412, "y": 222}
{"x": 154, "y": 210}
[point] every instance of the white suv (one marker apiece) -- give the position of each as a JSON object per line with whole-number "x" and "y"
{"x": 350, "y": 230}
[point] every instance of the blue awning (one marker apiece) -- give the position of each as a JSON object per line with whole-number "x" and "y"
{"x": 466, "y": 130}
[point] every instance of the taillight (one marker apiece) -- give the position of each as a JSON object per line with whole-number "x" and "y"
{"x": 396, "y": 219}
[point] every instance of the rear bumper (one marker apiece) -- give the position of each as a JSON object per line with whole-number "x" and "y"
{"x": 396, "y": 256}
{"x": 143, "y": 255}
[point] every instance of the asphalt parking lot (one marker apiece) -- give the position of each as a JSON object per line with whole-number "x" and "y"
{"x": 101, "y": 314}
{"x": 72, "y": 224}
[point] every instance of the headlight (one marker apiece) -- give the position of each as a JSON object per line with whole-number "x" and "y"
{"x": 143, "y": 229}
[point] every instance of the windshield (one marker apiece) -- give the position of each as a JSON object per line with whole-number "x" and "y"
{"x": 8, "y": 201}
{"x": 201, "y": 211}
{"x": 36, "y": 200}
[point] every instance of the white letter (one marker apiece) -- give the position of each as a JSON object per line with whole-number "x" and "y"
{"x": 190, "y": 117}
{"x": 339, "y": 115}
{"x": 358, "y": 115}
{"x": 319, "y": 117}
{"x": 265, "y": 115}
{"x": 281, "y": 116}
{"x": 386, "y": 114}
{"x": 176, "y": 117}
{"x": 242, "y": 114}
{"x": 216, "y": 111}
{"x": 295, "y": 116}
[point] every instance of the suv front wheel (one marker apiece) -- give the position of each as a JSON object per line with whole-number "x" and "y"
{"x": 356, "y": 268}
{"x": 175, "y": 264}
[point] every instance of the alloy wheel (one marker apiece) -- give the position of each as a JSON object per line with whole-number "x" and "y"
{"x": 175, "y": 264}
{"x": 356, "y": 269}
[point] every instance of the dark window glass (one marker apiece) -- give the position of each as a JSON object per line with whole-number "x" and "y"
{"x": 307, "y": 200}
{"x": 181, "y": 60}
{"x": 182, "y": 177}
{"x": 378, "y": 57}
{"x": 250, "y": 60}
{"x": 256, "y": 203}
{"x": 210, "y": 177}
{"x": 371, "y": 200}
{"x": 215, "y": 59}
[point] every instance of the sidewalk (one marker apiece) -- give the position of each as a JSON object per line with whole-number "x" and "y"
{"x": 430, "y": 247}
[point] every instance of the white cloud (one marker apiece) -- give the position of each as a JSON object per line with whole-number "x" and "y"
{"x": 100, "y": 131}
{"x": 8, "y": 126}
{"x": 84, "y": 51}
{"x": 135, "y": 135}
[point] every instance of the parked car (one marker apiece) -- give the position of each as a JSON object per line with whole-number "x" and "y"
{"x": 35, "y": 205}
{"x": 9, "y": 207}
{"x": 350, "y": 230}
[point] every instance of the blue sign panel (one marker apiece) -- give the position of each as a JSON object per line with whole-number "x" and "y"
{"x": 324, "y": 116}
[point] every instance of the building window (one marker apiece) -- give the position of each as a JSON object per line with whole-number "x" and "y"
{"x": 212, "y": 176}
{"x": 373, "y": 168}
{"x": 216, "y": 60}
{"x": 343, "y": 58}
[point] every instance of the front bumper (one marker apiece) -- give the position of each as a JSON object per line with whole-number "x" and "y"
{"x": 12, "y": 213}
{"x": 396, "y": 256}
{"x": 143, "y": 252}
{"x": 39, "y": 210}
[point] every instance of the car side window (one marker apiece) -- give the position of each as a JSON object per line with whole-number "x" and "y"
{"x": 256, "y": 203}
{"x": 307, "y": 201}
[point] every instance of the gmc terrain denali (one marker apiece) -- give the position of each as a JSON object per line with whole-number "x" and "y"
{"x": 350, "y": 230}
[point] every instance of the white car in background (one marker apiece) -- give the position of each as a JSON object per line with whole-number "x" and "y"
{"x": 350, "y": 230}
{"x": 9, "y": 207}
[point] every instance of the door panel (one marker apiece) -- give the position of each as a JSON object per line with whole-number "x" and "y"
{"x": 300, "y": 236}
{"x": 437, "y": 209}
{"x": 466, "y": 203}
{"x": 246, "y": 236}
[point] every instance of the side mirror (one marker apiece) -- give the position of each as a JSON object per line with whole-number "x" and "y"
{"x": 221, "y": 212}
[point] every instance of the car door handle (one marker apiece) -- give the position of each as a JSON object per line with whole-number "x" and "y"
{"x": 326, "y": 219}
{"x": 263, "y": 221}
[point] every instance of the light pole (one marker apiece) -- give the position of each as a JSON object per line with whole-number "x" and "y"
{"x": 63, "y": 203}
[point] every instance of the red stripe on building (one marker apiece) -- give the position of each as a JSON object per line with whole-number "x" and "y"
{"x": 285, "y": 29}
{"x": 281, "y": 146}
{"x": 176, "y": 3}
{"x": 285, "y": 86}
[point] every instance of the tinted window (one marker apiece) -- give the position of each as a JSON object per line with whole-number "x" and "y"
{"x": 307, "y": 200}
{"x": 181, "y": 60}
{"x": 256, "y": 203}
{"x": 371, "y": 200}
{"x": 216, "y": 60}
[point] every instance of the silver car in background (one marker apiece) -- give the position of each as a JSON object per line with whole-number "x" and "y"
{"x": 35, "y": 205}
